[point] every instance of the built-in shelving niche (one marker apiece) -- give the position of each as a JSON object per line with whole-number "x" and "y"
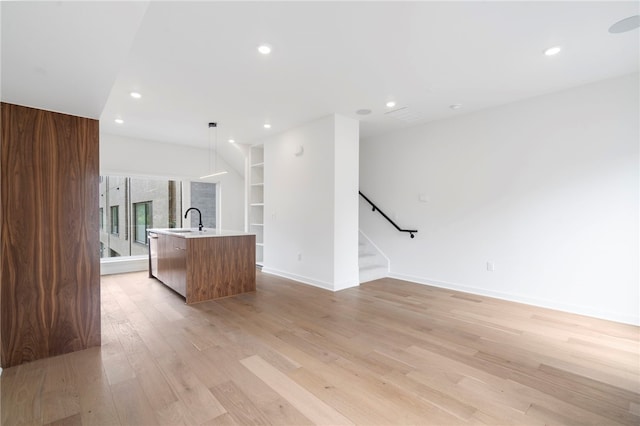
{"x": 256, "y": 199}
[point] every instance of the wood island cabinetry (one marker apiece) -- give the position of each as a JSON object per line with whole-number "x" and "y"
{"x": 172, "y": 262}
{"x": 201, "y": 266}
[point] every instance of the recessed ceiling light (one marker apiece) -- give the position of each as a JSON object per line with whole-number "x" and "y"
{"x": 135, "y": 95}
{"x": 626, "y": 24}
{"x": 455, "y": 106}
{"x": 553, "y": 51}
{"x": 265, "y": 49}
{"x": 267, "y": 125}
{"x": 232, "y": 141}
{"x": 363, "y": 112}
{"x": 119, "y": 120}
{"x": 391, "y": 104}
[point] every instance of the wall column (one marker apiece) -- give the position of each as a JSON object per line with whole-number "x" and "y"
{"x": 49, "y": 247}
{"x": 311, "y": 203}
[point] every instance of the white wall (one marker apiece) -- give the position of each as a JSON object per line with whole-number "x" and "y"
{"x": 546, "y": 189}
{"x": 346, "y": 180}
{"x": 137, "y": 157}
{"x": 302, "y": 205}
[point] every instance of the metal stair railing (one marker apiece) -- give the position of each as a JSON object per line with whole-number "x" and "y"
{"x": 375, "y": 208}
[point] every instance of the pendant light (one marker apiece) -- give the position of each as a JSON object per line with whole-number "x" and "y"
{"x": 213, "y": 173}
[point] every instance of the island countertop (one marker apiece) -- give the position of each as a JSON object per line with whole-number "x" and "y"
{"x": 203, "y": 265}
{"x": 195, "y": 233}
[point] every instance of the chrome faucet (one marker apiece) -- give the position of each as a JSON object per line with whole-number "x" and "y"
{"x": 199, "y": 214}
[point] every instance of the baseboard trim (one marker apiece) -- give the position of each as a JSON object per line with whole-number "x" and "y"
{"x": 115, "y": 265}
{"x": 310, "y": 281}
{"x": 580, "y": 310}
{"x": 304, "y": 280}
{"x": 345, "y": 285}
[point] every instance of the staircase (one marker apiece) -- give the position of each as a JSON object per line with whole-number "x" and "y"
{"x": 373, "y": 264}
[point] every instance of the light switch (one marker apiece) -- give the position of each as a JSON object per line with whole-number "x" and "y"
{"x": 424, "y": 198}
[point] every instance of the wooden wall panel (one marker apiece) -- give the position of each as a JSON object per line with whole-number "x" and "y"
{"x": 50, "y": 266}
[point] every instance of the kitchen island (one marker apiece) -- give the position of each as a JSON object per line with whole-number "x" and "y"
{"x": 203, "y": 265}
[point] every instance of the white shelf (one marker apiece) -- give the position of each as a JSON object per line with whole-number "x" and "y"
{"x": 255, "y": 179}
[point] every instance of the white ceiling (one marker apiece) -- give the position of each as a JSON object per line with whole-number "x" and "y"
{"x": 196, "y": 62}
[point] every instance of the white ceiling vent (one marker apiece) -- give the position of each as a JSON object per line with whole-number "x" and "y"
{"x": 406, "y": 115}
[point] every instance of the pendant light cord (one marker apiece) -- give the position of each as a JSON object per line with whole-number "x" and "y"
{"x": 215, "y": 159}
{"x": 214, "y": 125}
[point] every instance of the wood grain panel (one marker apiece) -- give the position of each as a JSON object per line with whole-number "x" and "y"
{"x": 50, "y": 289}
{"x": 220, "y": 267}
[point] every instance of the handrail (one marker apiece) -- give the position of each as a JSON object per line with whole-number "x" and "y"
{"x": 374, "y": 208}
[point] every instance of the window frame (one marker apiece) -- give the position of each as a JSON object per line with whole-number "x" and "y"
{"x": 148, "y": 223}
{"x": 114, "y": 225}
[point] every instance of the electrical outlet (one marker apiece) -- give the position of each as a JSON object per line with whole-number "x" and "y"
{"x": 299, "y": 257}
{"x": 490, "y": 266}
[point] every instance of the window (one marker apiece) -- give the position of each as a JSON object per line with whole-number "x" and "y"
{"x": 203, "y": 195}
{"x": 101, "y": 218}
{"x": 132, "y": 205}
{"x": 114, "y": 220}
{"x": 143, "y": 219}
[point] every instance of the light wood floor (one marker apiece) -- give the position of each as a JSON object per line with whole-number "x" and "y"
{"x": 388, "y": 352}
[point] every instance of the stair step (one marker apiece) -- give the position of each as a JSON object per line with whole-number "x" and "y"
{"x": 373, "y": 272}
{"x": 367, "y": 254}
{"x": 372, "y": 264}
{"x": 373, "y": 267}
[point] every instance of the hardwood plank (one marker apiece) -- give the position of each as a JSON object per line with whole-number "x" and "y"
{"x": 307, "y": 403}
{"x": 382, "y": 392}
{"x": 198, "y": 400}
{"x": 460, "y": 410}
{"x": 118, "y": 369}
{"x": 151, "y": 380}
{"x": 94, "y": 392}
{"x": 60, "y": 391}
{"x": 209, "y": 373}
{"x": 222, "y": 420}
{"x": 385, "y": 353}
{"x": 590, "y": 402}
{"x": 240, "y": 407}
{"x": 132, "y": 405}
{"x": 266, "y": 399}
{"x": 152, "y": 337}
{"x": 175, "y": 414}
{"x": 75, "y": 420}
{"x": 350, "y": 401}
{"x": 21, "y": 390}
{"x": 97, "y": 405}
{"x": 129, "y": 338}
